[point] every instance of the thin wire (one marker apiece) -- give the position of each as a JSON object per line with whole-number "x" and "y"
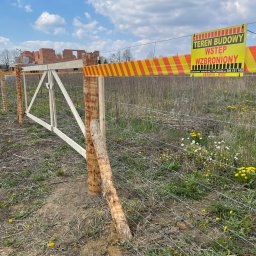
{"x": 251, "y": 31}
{"x": 252, "y": 209}
{"x": 187, "y": 206}
{"x": 157, "y": 41}
{"x": 149, "y": 43}
{"x": 254, "y": 245}
{"x": 183, "y": 114}
{"x": 162, "y": 203}
{"x": 181, "y": 148}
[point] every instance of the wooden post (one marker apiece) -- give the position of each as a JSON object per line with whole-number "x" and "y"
{"x": 91, "y": 112}
{"x": 102, "y": 107}
{"x": 25, "y": 91}
{"x": 108, "y": 188}
{"x": 19, "y": 95}
{"x": 4, "y": 94}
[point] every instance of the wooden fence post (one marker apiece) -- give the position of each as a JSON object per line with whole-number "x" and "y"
{"x": 91, "y": 112}
{"x": 108, "y": 188}
{"x": 102, "y": 107}
{"x": 4, "y": 94}
{"x": 19, "y": 95}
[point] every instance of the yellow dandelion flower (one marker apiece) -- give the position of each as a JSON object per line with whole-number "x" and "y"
{"x": 225, "y": 228}
{"x": 250, "y": 168}
{"x": 10, "y": 220}
{"x": 241, "y": 168}
{"x": 230, "y": 212}
{"x": 217, "y": 218}
{"x": 237, "y": 174}
{"x": 204, "y": 210}
{"x": 243, "y": 175}
{"x": 51, "y": 244}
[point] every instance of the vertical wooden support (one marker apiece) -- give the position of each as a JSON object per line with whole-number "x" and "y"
{"x": 52, "y": 104}
{"x": 19, "y": 95}
{"x": 4, "y": 94}
{"x": 108, "y": 188}
{"x": 91, "y": 112}
{"x": 25, "y": 91}
{"x": 102, "y": 107}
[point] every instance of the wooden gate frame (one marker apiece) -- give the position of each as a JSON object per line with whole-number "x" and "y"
{"x": 50, "y": 71}
{"x": 98, "y": 165}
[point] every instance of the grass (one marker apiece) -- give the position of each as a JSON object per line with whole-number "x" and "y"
{"x": 162, "y": 252}
{"x": 175, "y": 163}
{"x": 174, "y": 147}
{"x": 189, "y": 187}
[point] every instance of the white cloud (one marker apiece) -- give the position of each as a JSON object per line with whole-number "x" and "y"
{"x": 28, "y": 8}
{"x": 87, "y": 15}
{"x": 167, "y": 18}
{"x": 50, "y": 23}
{"x": 22, "y": 5}
{"x": 90, "y": 30}
{"x": 106, "y": 45}
{"x": 4, "y": 42}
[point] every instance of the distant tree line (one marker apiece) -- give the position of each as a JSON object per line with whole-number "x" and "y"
{"x": 7, "y": 58}
{"x": 119, "y": 56}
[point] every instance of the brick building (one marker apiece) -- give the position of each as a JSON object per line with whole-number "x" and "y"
{"x": 47, "y": 56}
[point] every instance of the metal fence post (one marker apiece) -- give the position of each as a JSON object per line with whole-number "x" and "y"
{"x": 91, "y": 112}
{"x": 19, "y": 95}
{"x": 4, "y": 94}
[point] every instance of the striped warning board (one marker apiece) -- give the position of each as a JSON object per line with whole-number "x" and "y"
{"x": 250, "y": 59}
{"x": 173, "y": 65}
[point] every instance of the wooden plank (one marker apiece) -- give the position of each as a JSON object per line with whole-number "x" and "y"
{"x": 39, "y": 121}
{"x": 4, "y": 94}
{"x": 62, "y": 135}
{"x": 61, "y": 65}
{"x": 102, "y": 107}
{"x": 70, "y": 142}
{"x": 69, "y": 102}
{"x": 49, "y": 86}
{"x": 91, "y": 96}
{"x": 5, "y": 73}
{"x": 108, "y": 188}
{"x": 25, "y": 91}
{"x": 36, "y": 92}
{"x": 19, "y": 95}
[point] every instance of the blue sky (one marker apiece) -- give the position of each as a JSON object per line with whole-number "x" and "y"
{"x": 108, "y": 25}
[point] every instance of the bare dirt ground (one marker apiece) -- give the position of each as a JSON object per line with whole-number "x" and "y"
{"x": 44, "y": 197}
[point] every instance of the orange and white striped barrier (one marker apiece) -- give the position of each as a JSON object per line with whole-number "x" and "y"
{"x": 173, "y": 65}
{"x": 5, "y": 73}
{"x": 250, "y": 59}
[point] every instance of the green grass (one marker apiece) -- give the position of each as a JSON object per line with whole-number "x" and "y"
{"x": 8, "y": 183}
{"x": 163, "y": 252}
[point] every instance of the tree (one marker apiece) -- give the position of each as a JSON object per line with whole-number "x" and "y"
{"x": 7, "y": 57}
{"x": 126, "y": 55}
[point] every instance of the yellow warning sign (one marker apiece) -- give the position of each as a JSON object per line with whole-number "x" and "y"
{"x": 219, "y": 52}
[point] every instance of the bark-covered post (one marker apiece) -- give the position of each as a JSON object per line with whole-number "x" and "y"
{"x": 19, "y": 94}
{"x": 4, "y": 94}
{"x": 108, "y": 187}
{"x": 91, "y": 112}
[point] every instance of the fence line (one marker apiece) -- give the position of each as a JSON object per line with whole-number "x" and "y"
{"x": 122, "y": 113}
